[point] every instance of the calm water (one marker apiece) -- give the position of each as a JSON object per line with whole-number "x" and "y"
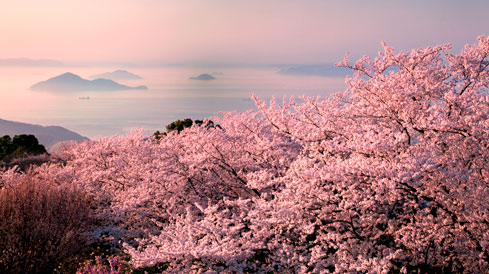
{"x": 171, "y": 96}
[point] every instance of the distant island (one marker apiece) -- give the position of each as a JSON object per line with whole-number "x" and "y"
{"x": 72, "y": 82}
{"x": 323, "y": 70}
{"x": 49, "y": 136}
{"x": 117, "y": 75}
{"x": 203, "y": 77}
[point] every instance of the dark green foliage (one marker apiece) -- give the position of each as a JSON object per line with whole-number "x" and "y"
{"x": 158, "y": 134}
{"x": 180, "y": 125}
{"x": 5, "y": 146}
{"x": 20, "y": 146}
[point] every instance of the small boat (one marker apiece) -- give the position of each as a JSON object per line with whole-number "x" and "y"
{"x": 84, "y": 98}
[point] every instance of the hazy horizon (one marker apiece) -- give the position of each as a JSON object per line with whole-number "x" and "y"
{"x": 46, "y": 62}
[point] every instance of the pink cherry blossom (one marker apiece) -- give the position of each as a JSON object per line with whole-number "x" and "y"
{"x": 389, "y": 176}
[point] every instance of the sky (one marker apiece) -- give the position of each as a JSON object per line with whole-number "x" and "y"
{"x": 152, "y": 32}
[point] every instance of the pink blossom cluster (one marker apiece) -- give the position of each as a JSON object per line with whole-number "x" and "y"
{"x": 390, "y": 176}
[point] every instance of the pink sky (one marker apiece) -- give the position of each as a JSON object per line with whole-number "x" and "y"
{"x": 223, "y": 31}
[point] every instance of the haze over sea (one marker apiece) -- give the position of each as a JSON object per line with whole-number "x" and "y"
{"x": 171, "y": 96}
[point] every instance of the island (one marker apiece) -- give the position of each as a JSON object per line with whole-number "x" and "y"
{"x": 117, "y": 75}
{"x": 72, "y": 82}
{"x": 204, "y": 77}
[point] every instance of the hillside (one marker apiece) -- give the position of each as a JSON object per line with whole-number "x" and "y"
{"x": 48, "y": 136}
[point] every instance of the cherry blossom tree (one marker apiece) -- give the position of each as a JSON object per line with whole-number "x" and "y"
{"x": 393, "y": 172}
{"x": 390, "y": 176}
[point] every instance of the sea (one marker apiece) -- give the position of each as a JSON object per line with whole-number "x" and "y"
{"x": 171, "y": 95}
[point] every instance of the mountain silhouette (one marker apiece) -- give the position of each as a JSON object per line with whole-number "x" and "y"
{"x": 204, "y": 76}
{"x": 117, "y": 75}
{"x": 72, "y": 82}
{"x": 48, "y": 136}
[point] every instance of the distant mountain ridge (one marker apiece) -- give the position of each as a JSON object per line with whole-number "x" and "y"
{"x": 48, "y": 136}
{"x": 323, "y": 70}
{"x": 117, "y": 75}
{"x": 204, "y": 77}
{"x": 26, "y": 62}
{"x": 72, "y": 82}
